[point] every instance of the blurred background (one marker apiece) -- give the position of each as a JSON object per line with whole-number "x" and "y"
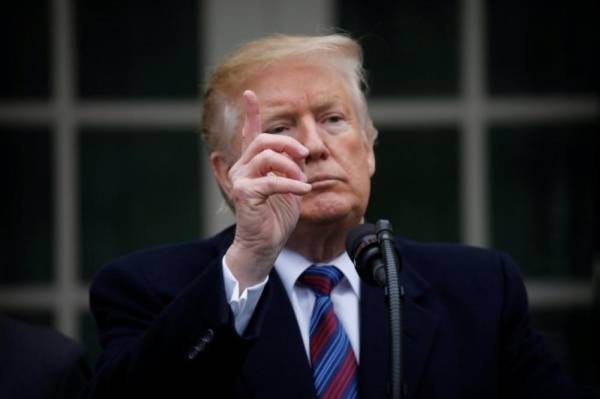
{"x": 487, "y": 111}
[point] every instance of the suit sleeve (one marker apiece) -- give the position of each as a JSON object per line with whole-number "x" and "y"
{"x": 528, "y": 370}
{"x": 157, "y": 347}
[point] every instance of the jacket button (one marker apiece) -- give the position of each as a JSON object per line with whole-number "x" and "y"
{"x": 204, "y": 340}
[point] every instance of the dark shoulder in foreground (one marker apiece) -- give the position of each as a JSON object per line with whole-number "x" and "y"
{"x": 173, "y": 265}
{"x": 39, "y": 362}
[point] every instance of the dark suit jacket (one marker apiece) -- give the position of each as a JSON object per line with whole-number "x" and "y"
{"x": 166, "y": 329}
{"x": 38, "y": 363}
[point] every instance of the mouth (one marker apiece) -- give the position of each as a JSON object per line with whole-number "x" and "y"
{"x": 322, "y": 180}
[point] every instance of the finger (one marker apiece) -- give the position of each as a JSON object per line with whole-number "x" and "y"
{"x": 278, "y": 143}
{"x": 271, "y": 161}
{"x": 272, "y": 184}
{"x": 252, "y": 126}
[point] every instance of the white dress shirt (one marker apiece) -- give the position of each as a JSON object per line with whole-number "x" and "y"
{"x": 290, "y": 265}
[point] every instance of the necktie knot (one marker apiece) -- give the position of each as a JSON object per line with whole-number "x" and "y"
{"x": 321, "y": 279}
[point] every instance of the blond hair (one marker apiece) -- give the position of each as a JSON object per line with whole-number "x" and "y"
{"x": 221, "y": 108}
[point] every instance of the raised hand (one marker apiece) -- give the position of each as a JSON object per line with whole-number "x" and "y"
{"x": 266, "y": 185}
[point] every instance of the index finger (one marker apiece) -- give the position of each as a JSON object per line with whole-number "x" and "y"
{"x": 252, "y": 126}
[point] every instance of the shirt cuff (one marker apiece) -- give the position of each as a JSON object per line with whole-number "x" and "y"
{"x": 242, "y": 305}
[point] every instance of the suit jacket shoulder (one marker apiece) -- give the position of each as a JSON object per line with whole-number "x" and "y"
{"x": 483, "y": 344}
{"x": 163, "y": 321}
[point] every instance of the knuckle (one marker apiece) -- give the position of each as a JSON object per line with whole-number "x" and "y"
{"x": 265, "y": 158}
{"x": 269, "y": 153}
{"x": 238, "y": 191}
{"x": 271, "y": 181}
{"x": 261, "y": 139}
{"x": 232, "y": 173}
{"x": 235, "y": 175}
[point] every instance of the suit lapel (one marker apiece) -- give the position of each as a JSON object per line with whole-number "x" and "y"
{"x": 277, "y": 366}
{"x": 374, "y": 343}
{"x": 419, "y": 326}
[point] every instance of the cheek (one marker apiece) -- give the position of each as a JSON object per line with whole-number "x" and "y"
{"x": 359, "y": 177}
{"x": 358, "y": 162}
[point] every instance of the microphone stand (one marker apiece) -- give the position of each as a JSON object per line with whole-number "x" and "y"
{"x": 394, "y": 294}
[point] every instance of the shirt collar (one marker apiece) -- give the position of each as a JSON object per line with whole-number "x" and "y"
{"x": 290, "y": 265}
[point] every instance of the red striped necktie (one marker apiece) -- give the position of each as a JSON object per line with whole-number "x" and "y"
{"x": 333, "y": 361}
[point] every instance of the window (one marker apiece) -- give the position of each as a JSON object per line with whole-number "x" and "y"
{"x": 487, "y": 114}
{"x": 99, "y": 113}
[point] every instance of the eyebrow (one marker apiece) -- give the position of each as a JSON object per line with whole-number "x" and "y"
{"x": 283, "y": 109}
{"x": 276, "y": 109}
{"x": 327, "y": 101}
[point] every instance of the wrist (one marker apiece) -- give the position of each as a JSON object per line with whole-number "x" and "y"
{"x": 248, "y": 267}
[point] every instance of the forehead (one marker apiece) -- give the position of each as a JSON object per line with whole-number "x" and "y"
{"x": 294, "y": 84}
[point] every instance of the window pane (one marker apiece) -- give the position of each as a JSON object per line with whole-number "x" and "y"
{"x": 411, "y": 47}
{"x": 542, "y": 46}
{"x": 138, "y": 189}
{"x": 26, "y": 205}
{"x": 416, "y": 183}
{"x": 24, "y": 42}
{"x": 545, "y": 196}
{"x": 137, "y": 48}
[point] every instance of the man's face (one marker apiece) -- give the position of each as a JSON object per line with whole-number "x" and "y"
{"x": 311, "y": 103}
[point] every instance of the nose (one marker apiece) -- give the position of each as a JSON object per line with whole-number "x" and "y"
{"x": 311, "y": 137}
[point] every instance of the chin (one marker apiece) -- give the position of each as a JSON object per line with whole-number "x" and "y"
{"x": 324, "y": 211}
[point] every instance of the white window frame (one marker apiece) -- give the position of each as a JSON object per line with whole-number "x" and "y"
{"x": 473, "y": 111}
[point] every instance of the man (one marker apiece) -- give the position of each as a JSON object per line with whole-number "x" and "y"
{"x": 39, "y": 363}
{"x": 245, "y": 314}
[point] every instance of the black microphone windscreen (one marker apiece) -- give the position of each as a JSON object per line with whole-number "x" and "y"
{"x": 354, "y": 239}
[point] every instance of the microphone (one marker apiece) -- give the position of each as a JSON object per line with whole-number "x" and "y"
{"x": 373, "y": 252}
{"x": 363, "y": 248}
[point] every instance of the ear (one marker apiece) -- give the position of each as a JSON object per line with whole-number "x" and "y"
{"x": 220, "y": 166}
{"x": 370, "y": 157}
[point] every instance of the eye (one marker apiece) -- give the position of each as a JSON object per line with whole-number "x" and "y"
{"x": 278, "y": 130}
{"x": 334, "y": 119}
{"x": 334, "y": 122}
